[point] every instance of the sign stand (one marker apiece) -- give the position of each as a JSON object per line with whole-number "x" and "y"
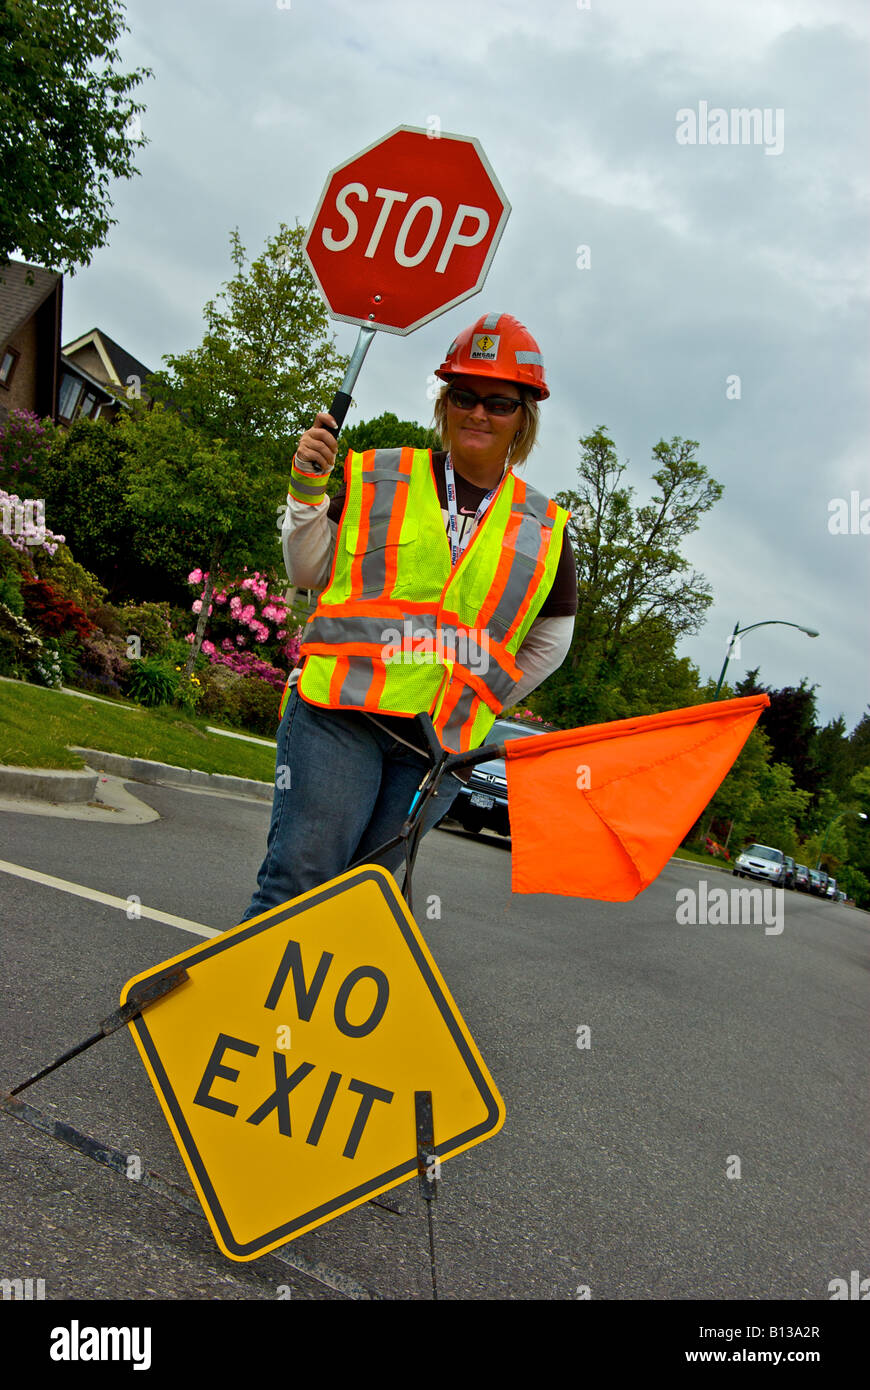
{"x": 428, "y": 1164}
{"x": 428, "y": 1168}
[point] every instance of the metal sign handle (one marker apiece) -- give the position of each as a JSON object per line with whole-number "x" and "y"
{"x": 343, "y": 396}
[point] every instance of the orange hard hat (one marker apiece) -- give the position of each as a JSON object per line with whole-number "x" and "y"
{"x": 497, "y": 346}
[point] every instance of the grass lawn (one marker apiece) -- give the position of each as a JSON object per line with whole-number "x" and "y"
{"x": 36, "y": 725}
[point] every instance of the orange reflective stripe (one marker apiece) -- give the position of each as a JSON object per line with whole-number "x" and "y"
{"x": 503, "y": 570}
{"x": 534, "y": 581}
{"x": 338, "y": 675}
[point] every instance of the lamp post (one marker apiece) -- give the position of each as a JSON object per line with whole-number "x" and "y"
{"x": 862, "y": 815}
{"x": 739, "y": 631}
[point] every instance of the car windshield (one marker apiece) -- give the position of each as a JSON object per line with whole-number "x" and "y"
{"x": 764, "y": 852}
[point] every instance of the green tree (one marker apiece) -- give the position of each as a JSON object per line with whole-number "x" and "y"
{"x": 209, "y": 463}
{"x": 68, "y": 126}
{"x": 790, "y": 723}
{"x": 196, "y": 501}
{"x": 265, "y": 365}
{"x": 829, "y": 755}
{"x": 83, "y": 482}
{"x": 636, "y": 593}
{"x": 385, "y": 431}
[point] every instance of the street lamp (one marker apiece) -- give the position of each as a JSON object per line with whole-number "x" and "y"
{"x": 739, "y": 631}
{"x": 862, "y": 815}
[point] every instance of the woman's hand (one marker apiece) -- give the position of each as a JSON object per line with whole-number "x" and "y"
{"x": 317, "y": 447}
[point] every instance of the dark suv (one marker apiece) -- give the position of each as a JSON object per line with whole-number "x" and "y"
{"x": 482, "y": 803}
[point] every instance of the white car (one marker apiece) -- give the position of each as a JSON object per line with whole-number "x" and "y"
{"x": 761, "y": 861}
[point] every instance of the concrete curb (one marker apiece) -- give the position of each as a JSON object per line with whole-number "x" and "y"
{"x": 48, "y": 784}
{"x": 141, "y": 770}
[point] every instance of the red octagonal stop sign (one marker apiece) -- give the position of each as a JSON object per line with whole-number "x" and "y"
{"x": 406, "y": 229}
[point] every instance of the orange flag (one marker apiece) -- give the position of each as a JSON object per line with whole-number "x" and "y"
{"x": 597, "y": 812}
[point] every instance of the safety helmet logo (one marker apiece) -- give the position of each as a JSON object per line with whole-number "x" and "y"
{"x": 485, "y": 349}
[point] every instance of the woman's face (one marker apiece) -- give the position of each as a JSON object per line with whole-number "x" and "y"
{"x": 475, "y": 435}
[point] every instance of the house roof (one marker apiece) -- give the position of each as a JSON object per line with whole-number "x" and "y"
{"x": 119, "y": 363}
{"x": 70, "y": 365}
{"x": 19, "y": 300}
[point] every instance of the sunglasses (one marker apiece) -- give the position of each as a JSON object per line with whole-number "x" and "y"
{"x": 493, "y": 405}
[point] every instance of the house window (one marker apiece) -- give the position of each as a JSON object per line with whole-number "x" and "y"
{"x": 88, "y": 404}
{"x": 7, "y": 366}
{"x": 70, "y": 390}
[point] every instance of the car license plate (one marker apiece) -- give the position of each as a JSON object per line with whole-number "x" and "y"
{"x": 481, "y": 799}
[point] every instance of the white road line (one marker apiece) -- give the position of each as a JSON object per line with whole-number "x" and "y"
{"x": 93, "y": 895}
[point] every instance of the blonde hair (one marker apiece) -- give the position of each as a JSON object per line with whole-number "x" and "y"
{"x": 526, "y": 436}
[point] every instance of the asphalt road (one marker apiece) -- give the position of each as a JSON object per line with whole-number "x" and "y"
{"x": 706, "y": 1138}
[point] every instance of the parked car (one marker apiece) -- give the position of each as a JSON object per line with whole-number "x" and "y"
{"x": 832, "y": 890}
{"x": 761, "y": 861}
{"x": 801, "y": 878}
{"x": 482, "y": 803}
{"x": 789, "y": 872}
{"x": 823, "y": 883}
{"x": 815, "y": 882}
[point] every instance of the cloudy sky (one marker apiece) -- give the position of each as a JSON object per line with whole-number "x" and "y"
{"x": 706, "y": 261}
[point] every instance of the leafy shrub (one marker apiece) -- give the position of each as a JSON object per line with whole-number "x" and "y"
{"x": 219, "y": 694}
{"x": 20, "y": 647}
{"x": 151, "y": 623}
{"x": 70, "y": 579}
{"x": 188, "y": 690}
{"x": 258, "y": 705}
{"x": 102, "y": 664}
{"x": 244, "y": 702}
{"x": 11, "y": 569}
{"x": 59, "y": 660}
{"x": 151, "y": 681}
{"x": 108, "y": 618}
{"x": 51, "y": 613}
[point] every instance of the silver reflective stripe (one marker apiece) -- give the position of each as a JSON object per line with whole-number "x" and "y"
{"x": 380, "y": 631}
{"x": 490, "y": 323}
{"x": 527, "y": 544}
{"x": 337, "y": 630}
{"x": 385, "y": 472}
{"x": 356, "y": 684}
{"x": 534, "y": 357}
{"x": 452, "y": 731}
{"x": 307, "y": 489}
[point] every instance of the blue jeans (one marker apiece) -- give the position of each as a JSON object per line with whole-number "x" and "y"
{"x": 343, "y": 786}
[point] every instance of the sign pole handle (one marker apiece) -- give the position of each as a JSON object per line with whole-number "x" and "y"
{"x": 342, "y": 398}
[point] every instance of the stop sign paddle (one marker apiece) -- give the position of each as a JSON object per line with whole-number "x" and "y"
{"x": 403, "y": 231}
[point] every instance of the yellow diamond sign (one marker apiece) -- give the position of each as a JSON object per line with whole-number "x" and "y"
{"x": 287, "y": 1063}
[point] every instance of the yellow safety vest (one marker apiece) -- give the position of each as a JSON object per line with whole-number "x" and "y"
{"x": 398, "y": 630}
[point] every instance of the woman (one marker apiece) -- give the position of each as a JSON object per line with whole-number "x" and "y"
{"x": 412, "y": 617}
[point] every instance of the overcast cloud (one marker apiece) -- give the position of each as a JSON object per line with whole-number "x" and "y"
{"x": 705, "y": 260}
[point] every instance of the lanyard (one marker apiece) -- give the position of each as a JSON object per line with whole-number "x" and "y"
{"x": 452, "y": 523}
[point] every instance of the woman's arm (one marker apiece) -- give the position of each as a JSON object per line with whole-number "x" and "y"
{"x": 307, "y": 534}
{"x": 546, "y": 645}
{"x": 308, "y": 543}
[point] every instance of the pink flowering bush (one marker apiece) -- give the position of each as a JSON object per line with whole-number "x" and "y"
{"x": 250, "y": 629}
